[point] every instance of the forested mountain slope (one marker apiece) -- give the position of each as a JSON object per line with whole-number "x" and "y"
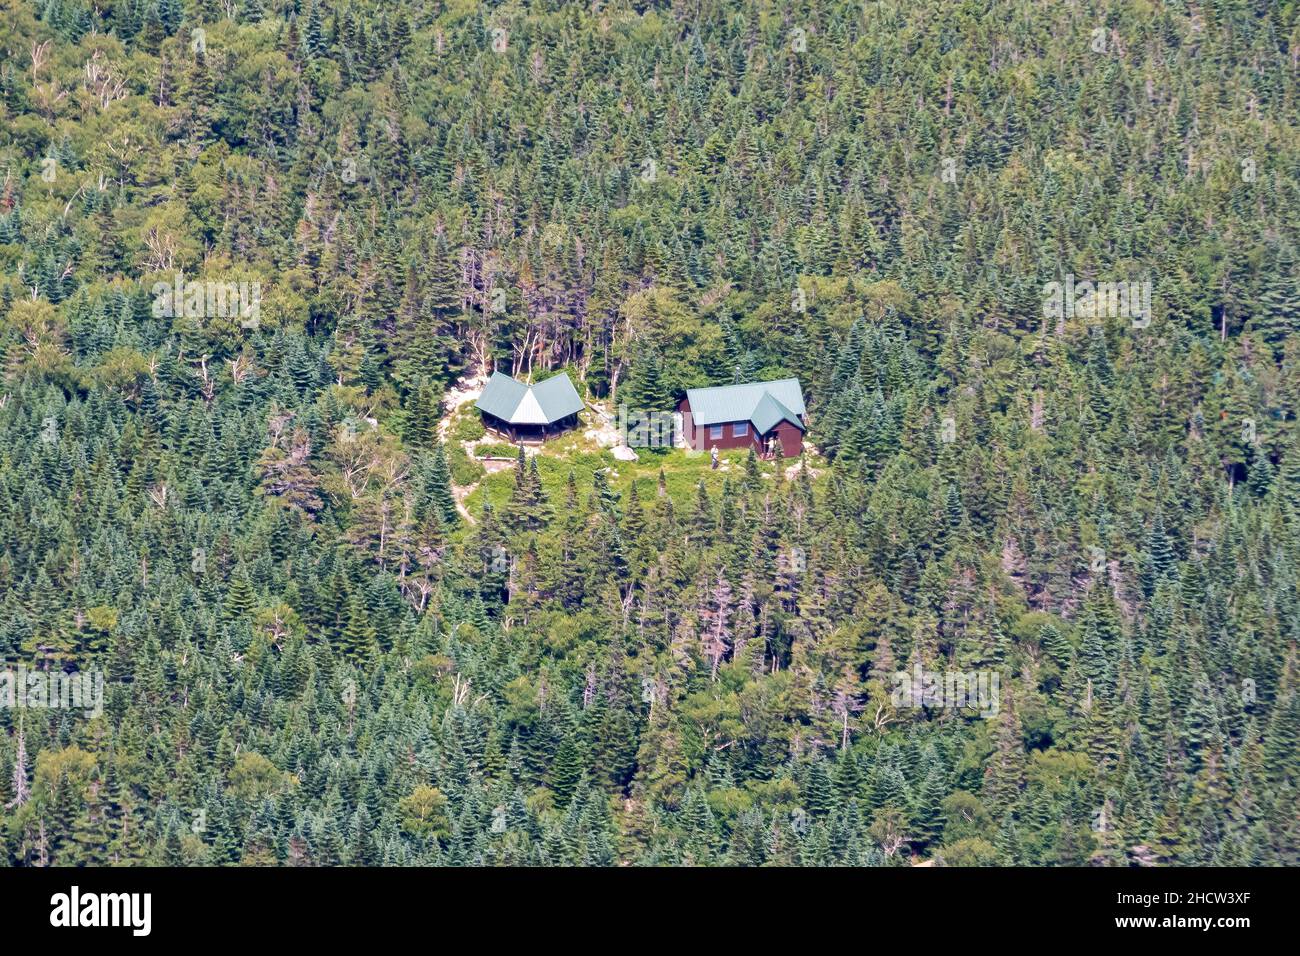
{"x": 245, "y": 522}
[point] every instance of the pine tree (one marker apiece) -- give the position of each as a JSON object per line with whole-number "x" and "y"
{"x": 565, "y": 772}
{"x": 422, "y": 413}
{"x": 603, "y": 497}
{"x": 1279, "y": 303}
{"x": 437, "y": 487}
{"x": 240, "y": 600}
{"x": 1005, "y": 774}
{"x": 516, "y": 514}
{"x": 358, "y": 639}
{"x": 930, "y": 819}
{"x": 538, "y": 507}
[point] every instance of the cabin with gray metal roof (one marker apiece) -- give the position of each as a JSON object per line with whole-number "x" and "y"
{"x": 529, "y": 412}
{"x": 769, "y": 416}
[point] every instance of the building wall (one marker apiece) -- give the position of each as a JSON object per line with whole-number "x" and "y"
{"x": 528, "y": 433}
{"x": 699, "y": 437}
{"x": 791, "y": 439}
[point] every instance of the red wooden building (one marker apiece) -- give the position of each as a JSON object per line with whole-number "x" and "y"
{"x": 753, "y": 414}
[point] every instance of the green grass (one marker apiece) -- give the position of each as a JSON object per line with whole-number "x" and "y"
{"x": 464, "y": 470}
{"x": 467, "y": 425}
{"x": 682, "y": 472}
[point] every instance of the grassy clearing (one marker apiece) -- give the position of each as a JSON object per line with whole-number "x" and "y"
{"x": 577, "y": 452}
{"x": 682, "y": 472}
{"x": 467, "y": 425}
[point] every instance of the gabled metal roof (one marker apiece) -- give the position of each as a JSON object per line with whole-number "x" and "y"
{"x": 544, "y": 403}
{"x": 764, "y": 404}
{"x": 768, "y": 413}
{"x": 557, "y": 397}
{"x": 501, "y": 396}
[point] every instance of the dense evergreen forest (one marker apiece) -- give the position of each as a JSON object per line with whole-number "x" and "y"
{"x": 315, "y": 653}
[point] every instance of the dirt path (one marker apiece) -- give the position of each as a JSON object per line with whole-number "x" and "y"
{"x": 460, "y": 494}
{"x": 465, "y": 391}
